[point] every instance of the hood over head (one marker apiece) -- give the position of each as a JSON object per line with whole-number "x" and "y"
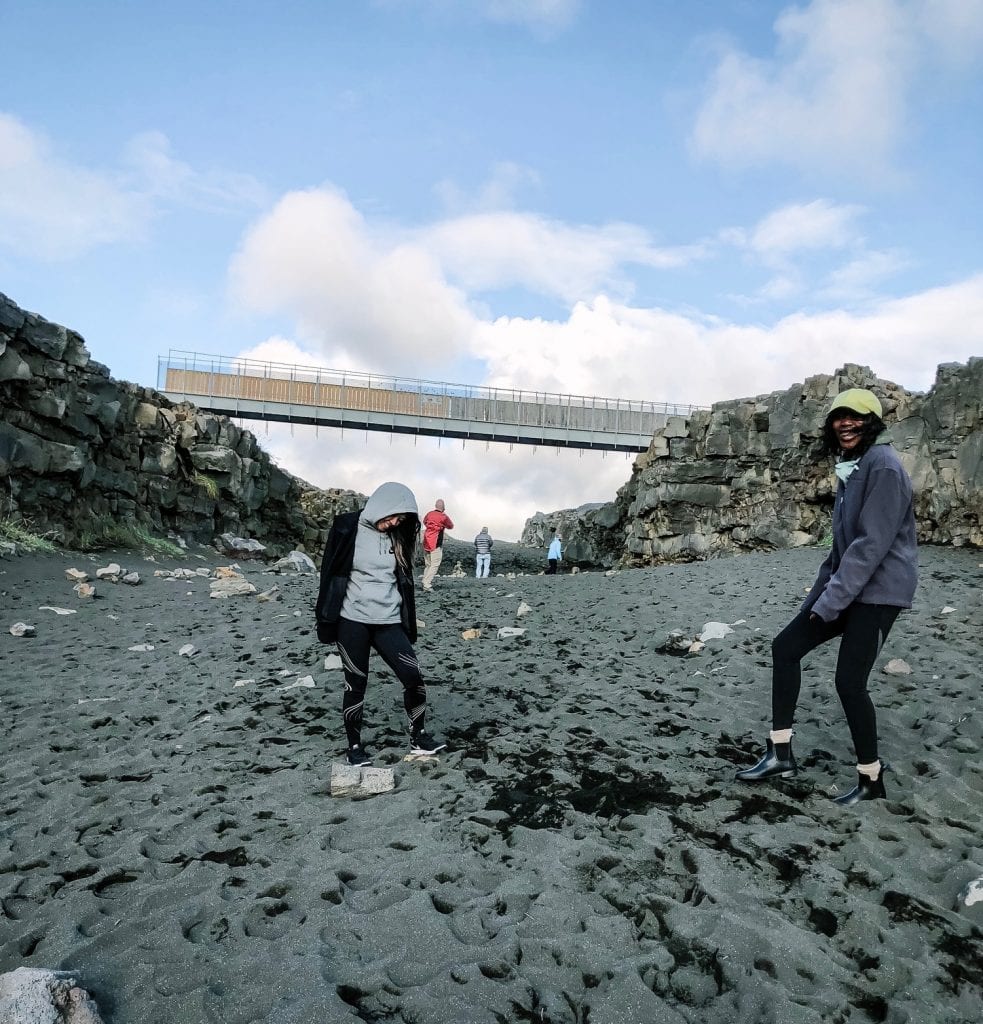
{"x": 389, "y": 499}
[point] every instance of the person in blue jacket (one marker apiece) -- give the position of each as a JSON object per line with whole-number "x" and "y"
{"x": 869, "y": 575}
{"x": 366, "y": 599}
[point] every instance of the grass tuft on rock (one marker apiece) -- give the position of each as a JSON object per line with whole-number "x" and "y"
{"x": 108, "y": 533}
{"x": 18, "y": 532}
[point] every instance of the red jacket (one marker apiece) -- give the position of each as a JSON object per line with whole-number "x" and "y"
{"x": 434, "y": 524}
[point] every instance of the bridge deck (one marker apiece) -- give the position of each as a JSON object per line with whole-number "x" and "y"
{"x": 251, "y": 389}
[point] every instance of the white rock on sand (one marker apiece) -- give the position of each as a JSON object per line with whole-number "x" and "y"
{"x": 33, "y": 995}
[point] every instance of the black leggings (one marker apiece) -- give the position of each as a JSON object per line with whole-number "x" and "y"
{"x": 864, "y": 628}
{"x": 392, "y": 643}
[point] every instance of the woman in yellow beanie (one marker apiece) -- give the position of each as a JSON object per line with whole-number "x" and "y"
{"x": 869, "y": 575}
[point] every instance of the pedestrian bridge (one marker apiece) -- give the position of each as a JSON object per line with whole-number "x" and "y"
{"x": 311, "y": 395}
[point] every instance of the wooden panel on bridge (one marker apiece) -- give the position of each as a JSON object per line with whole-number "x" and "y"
{"x": 302, "y": 392}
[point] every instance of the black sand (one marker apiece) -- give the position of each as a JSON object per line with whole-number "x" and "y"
{"x": 580, "y": 854}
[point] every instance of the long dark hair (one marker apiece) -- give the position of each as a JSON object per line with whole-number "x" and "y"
{"x": 404, "y": 538}
{"x": 872, "y": 429}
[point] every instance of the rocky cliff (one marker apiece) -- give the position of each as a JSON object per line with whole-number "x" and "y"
{"x": 79, "y": 449}
{"x": 747, "y": 474}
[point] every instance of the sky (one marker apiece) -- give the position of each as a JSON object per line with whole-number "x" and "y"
{"x": 642, "y": 199}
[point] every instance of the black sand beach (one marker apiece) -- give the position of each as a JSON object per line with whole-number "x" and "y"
{"x": 580, "y": 854}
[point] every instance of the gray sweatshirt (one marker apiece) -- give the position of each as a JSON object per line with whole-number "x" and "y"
{"x": 372, "y": 596}
{"x": 874, "y": 557}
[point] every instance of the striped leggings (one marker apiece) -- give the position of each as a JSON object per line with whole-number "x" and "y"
{"x": 354, "y": 641}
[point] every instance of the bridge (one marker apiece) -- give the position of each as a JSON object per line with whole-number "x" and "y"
{"x": 315, "y": 396}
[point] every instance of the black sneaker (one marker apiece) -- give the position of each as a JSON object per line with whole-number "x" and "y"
{"x": 358, "y": 756}
{"x": 424, "y": 743}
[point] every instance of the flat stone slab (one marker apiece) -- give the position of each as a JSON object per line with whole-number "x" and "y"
{"x": 347, "y": 780}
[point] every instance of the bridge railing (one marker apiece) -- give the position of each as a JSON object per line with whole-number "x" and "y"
{"x": 221, "y": 377}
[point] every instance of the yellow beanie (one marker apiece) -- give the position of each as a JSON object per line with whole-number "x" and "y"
{"x": 857, "y": 400}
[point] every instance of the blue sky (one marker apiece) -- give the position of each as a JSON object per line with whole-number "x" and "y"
{"x": 682, "y": 202}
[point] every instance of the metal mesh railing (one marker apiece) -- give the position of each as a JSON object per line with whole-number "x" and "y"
{"x": 193, "y": 374}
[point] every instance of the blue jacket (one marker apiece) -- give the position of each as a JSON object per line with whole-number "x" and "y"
{"x": 874, "y": 557}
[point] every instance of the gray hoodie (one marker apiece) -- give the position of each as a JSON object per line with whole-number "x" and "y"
{"x": 372, "y": 596}
{"x": 874, "y": 557}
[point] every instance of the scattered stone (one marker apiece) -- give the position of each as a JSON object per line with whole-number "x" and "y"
{"x": 34, "y": 995}
{"x": 244, "y": 682}
{"x": 227, "y": 572}
{"x": 296, "y": 561}
{"x": 231, "y": 587}
{"x": 22, "y": 629}
{"x": 306, "y": 682}
{"x": 507, "y": 631}
{"x": 574, "y": 570}
{"x": 897, "y": 667}
{"x": 269, "y": 595}
{"x": 973, "y": 892}
{"x": 676, "y": 643}
{"x": 347, "y": 780}
{"x": 84, "y": 590}
{"x": 141, "y": 647}
{"x": 471, "y": 634}
{"x": 458, "y": 572}
{"x": 695, "y": 647}
{"x": 332, "y": 663}
{"x": 714, "y": 631}
{"x": 611, "y": 572}
{"x": 8, "y": 548}
{"x": 187, "y": 651}
{"x": 241, "y": 547}
{"x": 58, "y": 611}
{"x": 947, "y": 610}
{"x": 76, "y": 575}
{"x": 523, "y": 609}
{"x": 131, "y": 579}
{"x": 112, "y": 572}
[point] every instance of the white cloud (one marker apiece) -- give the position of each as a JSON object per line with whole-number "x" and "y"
{"x": 857, "y": 278}
{"x": 54, "y": 210}
{"x": 537, "y": 14}
{"x": 817, "y": 225}
{"x": 545, "y": 17}
{"x": 835, "y": 94}
{"x": 504, "y": 249}
{"x": 388, "y": 299}
{"x": 787, "y": 236}
{"x": 165, "y": 177}
{"x": 357, "y": 298}
{"x": 497, "y": 193}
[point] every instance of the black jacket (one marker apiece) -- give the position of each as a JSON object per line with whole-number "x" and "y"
{"x": 336, "y": 567}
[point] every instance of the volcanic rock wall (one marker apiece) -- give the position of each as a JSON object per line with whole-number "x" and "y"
{"x": 747, "y": 474}
{"x": 78, "y": 448}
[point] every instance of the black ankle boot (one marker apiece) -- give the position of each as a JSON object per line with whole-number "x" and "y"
{"x": 865, "y": 789}
{"x": 778, "y": 762}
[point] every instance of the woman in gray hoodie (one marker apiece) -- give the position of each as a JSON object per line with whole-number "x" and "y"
{"x": 869, "y": 575}
{"x": 366, "y": 599}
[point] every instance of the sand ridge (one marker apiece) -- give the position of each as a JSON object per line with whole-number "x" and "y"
{"x": 581, "y": 853}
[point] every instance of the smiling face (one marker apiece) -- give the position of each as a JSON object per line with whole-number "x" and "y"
{"x": 848, "y": 427}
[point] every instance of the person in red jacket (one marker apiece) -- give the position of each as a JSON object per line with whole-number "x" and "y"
{"x": 434, "y": 524}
